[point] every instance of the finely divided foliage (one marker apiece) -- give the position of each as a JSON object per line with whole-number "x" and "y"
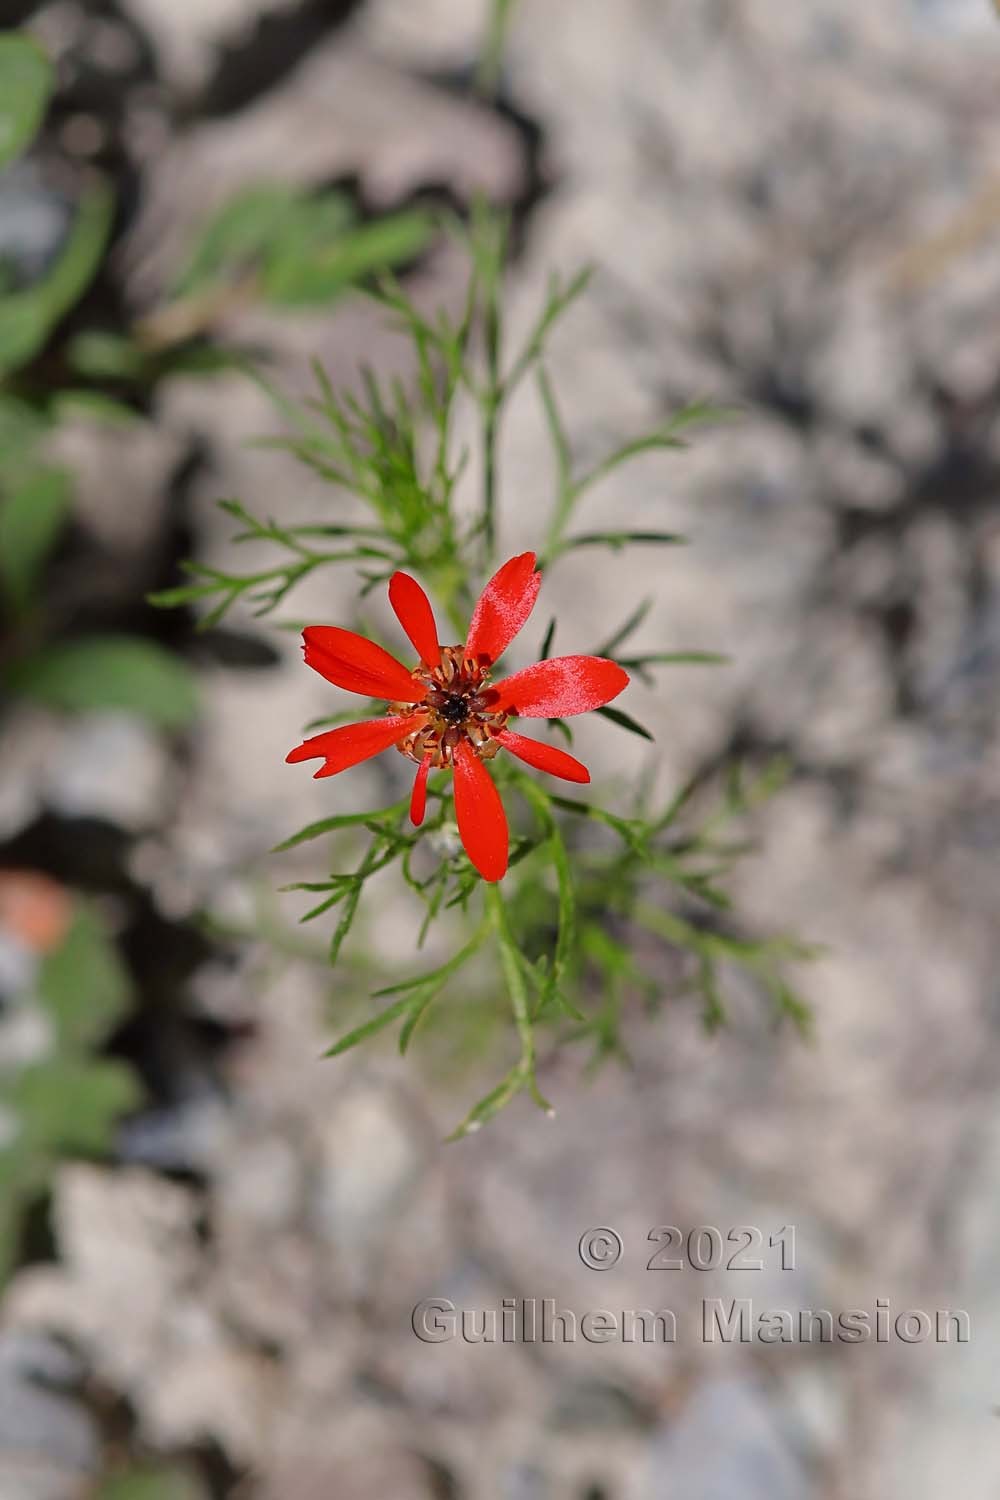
{"x": 572, "y": 907}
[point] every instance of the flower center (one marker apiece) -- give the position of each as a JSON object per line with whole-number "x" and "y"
{"x": 454, "y": 709}
{"x": 458, "y": 707}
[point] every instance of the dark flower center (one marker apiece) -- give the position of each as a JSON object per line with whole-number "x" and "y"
{"x": 459, "y": 707}
{"x": 454, "y": 709}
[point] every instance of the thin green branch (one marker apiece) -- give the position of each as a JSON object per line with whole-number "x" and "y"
{"x": 491, "y": 58}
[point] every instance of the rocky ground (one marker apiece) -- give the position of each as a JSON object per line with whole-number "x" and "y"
{"x": 793, "y": 209}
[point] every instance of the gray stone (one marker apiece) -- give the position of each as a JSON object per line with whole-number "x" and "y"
{"x": 49, "y": 1448}
{"x": 113, "y": 766}
{"x": 18, "y": 966}
{"x": 957, "y": 16}
{"x": 27, "y": 1034}
{"x": 34, "y": 221}
{"x": 369, "y": 1161}
{"x": 727, "y": 1444}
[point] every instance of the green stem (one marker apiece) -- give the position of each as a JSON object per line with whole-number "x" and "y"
{"x": 490, "y": 416}
{"x": 518, "y": 992}
{"x": 491, "y": 423}
{"x": 489, "y": 241}
{"x": 491, "y": 61}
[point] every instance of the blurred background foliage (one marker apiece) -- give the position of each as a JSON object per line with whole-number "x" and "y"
{"x": 285, "y": 246}
{"x": 72, "y": 350}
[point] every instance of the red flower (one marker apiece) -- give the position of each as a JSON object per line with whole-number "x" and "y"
{"x": 446, "y": 712}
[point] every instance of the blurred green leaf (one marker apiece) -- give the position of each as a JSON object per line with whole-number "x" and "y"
{"x": 23, "y": 329}
{"x": 109, "y": 672}
{"x": 72, "y": 1104}
{"x": 69, "y": 1100}
{"x": 82, "y": 252}
{"x": 28, "y": 317}
{"x": 93, "y": 406}
{"x": 311, "y": 231}
{"x": 303, "y": 273}
{"x": 11, "y": 1210}
{"x": 105, "y": 356}
{"x": 21, "y": 427}
{"x": 239, "y": 235}
{"x": 23, "y": 1176}
{"x": 84, "y": 985}
{"x": 199, "y": 359}
{"x": 31, "y": 517}
{"x": 304, "y": 247}
{"x": 25, "y": 85}
{"x": 152, "y": 1484}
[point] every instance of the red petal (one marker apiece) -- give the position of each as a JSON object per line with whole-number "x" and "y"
{"x": 349, "y": 661}
{"x": 482, "y": 822}
{"x": 561, "y": 686}
{"x": 418, "y": 799}
{"x": 413, "y": 611}
{"x": 544, "y": 757}
{"x": 504, "y": 606}
{"x": 353, "y": 743}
